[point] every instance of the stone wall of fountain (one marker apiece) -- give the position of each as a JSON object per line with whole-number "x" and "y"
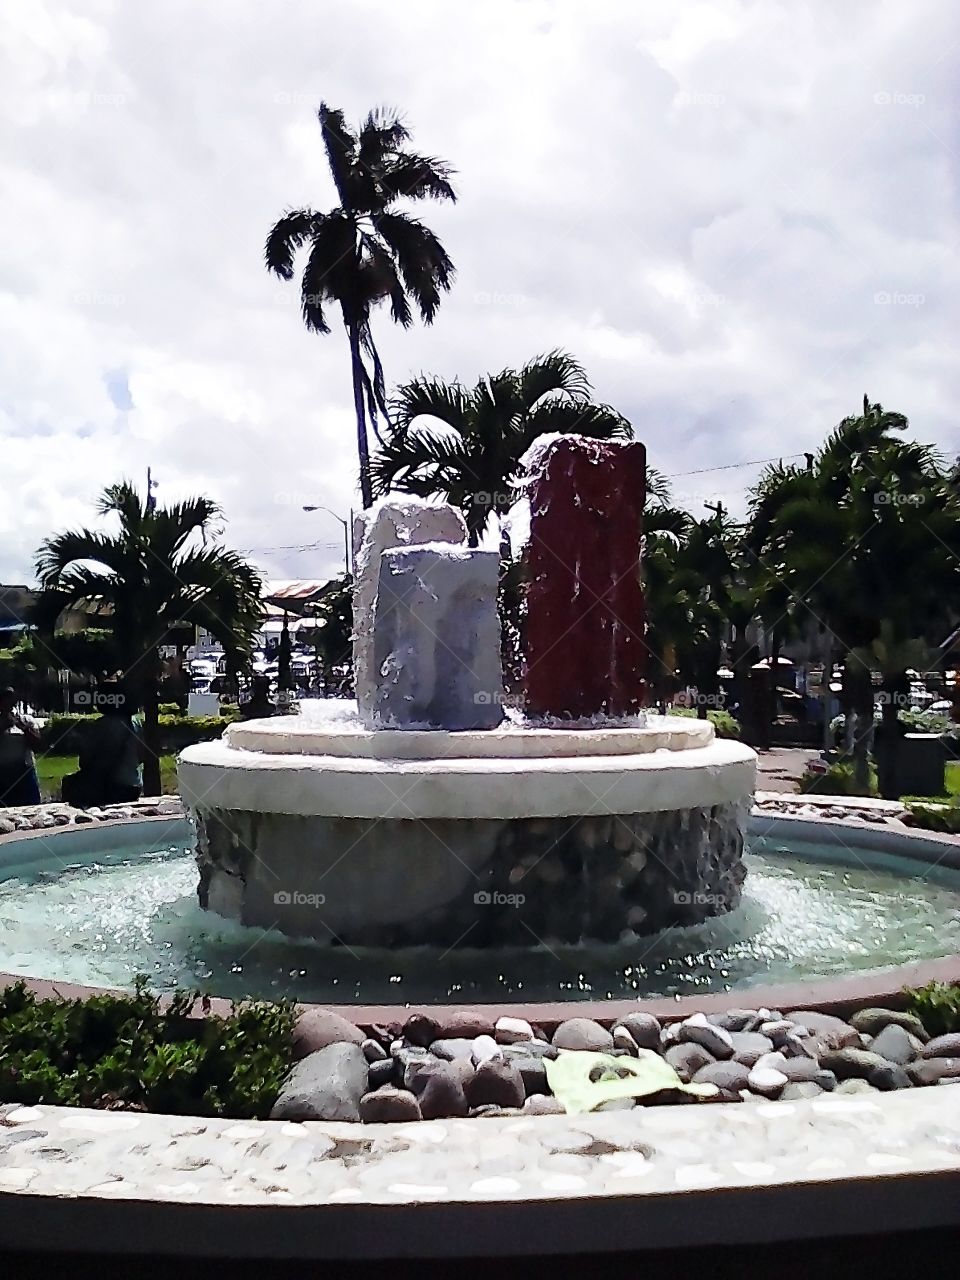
{"x": 420, "y": 815}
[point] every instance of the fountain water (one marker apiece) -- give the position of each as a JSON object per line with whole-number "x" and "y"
{"x": 423, "y": 813}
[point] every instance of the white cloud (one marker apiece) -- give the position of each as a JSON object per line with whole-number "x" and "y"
{"x": 705, "y": 202}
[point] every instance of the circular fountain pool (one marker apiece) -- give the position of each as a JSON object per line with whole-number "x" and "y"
{"x": 98, "y": 907}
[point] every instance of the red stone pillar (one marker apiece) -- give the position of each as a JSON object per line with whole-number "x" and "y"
{"x": 584, "y": 639}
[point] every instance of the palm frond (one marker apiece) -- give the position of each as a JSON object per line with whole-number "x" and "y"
{"x": 341, "y": 148}
{"x": 423, "y": 262}
{"x": 554, "y": 371}
{"x": 286, "y": 237}
{"x": 414, "y": 177}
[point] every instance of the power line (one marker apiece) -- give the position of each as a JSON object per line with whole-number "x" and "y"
{"x": 732, "y": 466}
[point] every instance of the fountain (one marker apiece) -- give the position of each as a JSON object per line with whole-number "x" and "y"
{"x": 430, "y": 811}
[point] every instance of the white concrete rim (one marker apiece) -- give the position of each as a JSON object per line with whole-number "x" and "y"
{"x": 214, "y": 775}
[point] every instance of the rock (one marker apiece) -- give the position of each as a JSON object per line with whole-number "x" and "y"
{"x": 794, "y": 1090}
{"x": 530, "y": 1049}
{"x": 439, "y": 1090}
{"x": 732, "y": 1019}
{"x": 854, "y": 1087}
{"x": 808, "y": 1071}
{"x": 623, "y": 1040}
{"x": 493, "y": 1113}
{"x": 450, "y": 1049}
{"x": 687, "y": 1059}
{"x": 539, "y": 1104}
{"x": 6, "y": 826}
{"x": 420, "y": 1029}
{"x": 497, "y": 1084}
{"x": 947, "y": 1046}
{"x": 697, "y": 1030}
{"x": 617, "y": 1104}
{"x": 896, "y": 1044}
{"x": 584, "y": 1034}
{"x": 408, "y": 1057}
{"x": 797, "y": 1044}
{"x": 889, "y": 1076}
{"x": 317, "y": 1028}
{"x": 512, "y": 1031}
{"x": 730, "y": 1077}
{"x": 388, "y": 1106}
{"x": 533, "y": 1074}
{"x": 779, "y": 1032}
{"x": 382, "y": 1073}
{"x": 851, "y": 1064}
{"x": 767, "y": 1081}
{"x": 465, "y": 1024}
{"x": 373, "y": 1051}
{"x": 485, "y": 1049}
{"x": 933, "y": 1070}
{"x": 644, "y": 1029}
{"x": 326, "y": 1085}
{"x": 748, "y": 1046}
{"x": 872, "y": 1021}
{"x": 834, "y": 1032}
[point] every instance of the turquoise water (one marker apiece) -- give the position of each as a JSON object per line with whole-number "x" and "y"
{"x": 101, "y": 919}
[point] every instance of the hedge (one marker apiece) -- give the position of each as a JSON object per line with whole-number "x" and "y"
{"x": 64, "y": 734}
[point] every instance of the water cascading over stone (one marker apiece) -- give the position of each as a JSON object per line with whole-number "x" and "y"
{"x": 584, "y": 645}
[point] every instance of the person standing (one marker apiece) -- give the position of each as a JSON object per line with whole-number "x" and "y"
{"x": 19, "y": 736}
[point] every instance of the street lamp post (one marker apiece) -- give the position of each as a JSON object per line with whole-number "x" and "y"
{"x": 347, "y": 524}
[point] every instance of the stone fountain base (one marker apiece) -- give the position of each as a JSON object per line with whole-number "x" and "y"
{"x": 522, "y": 836}
{"x": 472, "y": 882}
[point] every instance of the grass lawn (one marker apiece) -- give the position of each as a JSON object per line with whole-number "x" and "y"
{"x": 51, "y": 769}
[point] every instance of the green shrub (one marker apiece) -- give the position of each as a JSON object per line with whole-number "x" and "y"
{"x": 937, "y": 1006}
{"x": 933, "y": 817}
{"x": 64, "y": 734}
{"x": 128, "y": 1051}
{"x": 838, "y": 780}
{"x": 724, "y": 724}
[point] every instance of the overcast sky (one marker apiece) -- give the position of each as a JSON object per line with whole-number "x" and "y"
{"x": 740, "y": 216}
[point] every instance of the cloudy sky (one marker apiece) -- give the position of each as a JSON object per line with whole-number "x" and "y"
{"x": 740, "y": 214}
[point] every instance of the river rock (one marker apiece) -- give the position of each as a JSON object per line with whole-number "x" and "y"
{"x": 933, "y": 1070}
{"x": 732, "y": 1019}
{"x": 326, "y": 1085}
{"x": 439, "y": 1090}
{"x": 643, "y": 1028}
{"x": 854, "y": 1087}
{"x": 889, "y": 1077}
{"x": 512, "y": 1030}
{"x": 748, "y": 1046}
{"x": 374, "y": 1051}
{"x": 767, "y": 1081}
{"x": 624, "y": 1041}
{"x": 808, "y": 1071}
{"x": 896, "y": 1044}
{"x": 389, "y": 1105}
{"x": 697, "y": 1030}
{"x": 465, "y": 1024}
{"x": 496, "y": 1084}
{"x": 795, "y": 1090}
{"x": 421, "y": 1029}
{"x": 872, "y": 1021}
{"x": 947, "y": 1046}
{"x": 539, "y": 1104}
{"x": 485, "y": 1049}
{"x": 382, "y": 1073}
{"x": 583, "y": 1034}
{"x": 850, "y": 1063}
{"x": 729, "y": 1076}
{"x": 687, "y": 1059}
{"x": 450, "y": 1049}
{"x": 533, "y": 1073}
{"x": 833, "y": 1032}
{"x": 314, "y": 1029}
{"x": 529, "y": 1049}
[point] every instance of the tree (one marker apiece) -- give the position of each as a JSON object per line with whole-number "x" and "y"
{"x": 473, "y": 460}
{"x": 364, "y": 251}
{"x": 162, "y": 569}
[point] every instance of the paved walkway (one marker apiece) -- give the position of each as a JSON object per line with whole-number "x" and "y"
{"x": 780, "y": 768}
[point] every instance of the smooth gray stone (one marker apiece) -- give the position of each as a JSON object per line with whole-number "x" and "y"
{"x": 531, "y": 1049}
{"x": 382, "y": 1073}
{"x": 436, "y": 638}
{"x": 644, "y": 1029}
{"x": 374, "y": 1051}
{"x": 794, "y": 1090}
{"x": 687, "y": 1059}
{"x": 717, "y": 1042}
{"x": 748, "y": 1046}
{"x": 450, "y": 1049}
{"x": 438, "y": 1087}
{"x": 582, "y": 1033}
{"x": 730, "y": 1076}
{"x": 947, "y": 1046}
{"x": 732, "y": 1019}
{"x": 495, "y": 1083}
{"x": 896, "y": 1044}
{"x": 326, "y": 1085}
{"x": 389, "y": 1106}
{"x": 850, "y": 1063}
{"x": 872, "y": 1021}
{"x": 933, "y": 1070}
{"x": 888, "y": 1077}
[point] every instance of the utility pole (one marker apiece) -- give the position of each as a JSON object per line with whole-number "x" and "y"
{"x": 347, "y": 526}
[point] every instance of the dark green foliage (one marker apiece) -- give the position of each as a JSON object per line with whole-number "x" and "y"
{"x": 937, "y": 1005}
{"x": 64, "y": 734}
{"x": 725, "y": 725}
{"x": 128, "y": 1051}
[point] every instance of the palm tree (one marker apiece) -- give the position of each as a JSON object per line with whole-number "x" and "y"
{"x": 163, "y": 569}
{"x": 473, "y": 462}
{"x": 364, "y": 250}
